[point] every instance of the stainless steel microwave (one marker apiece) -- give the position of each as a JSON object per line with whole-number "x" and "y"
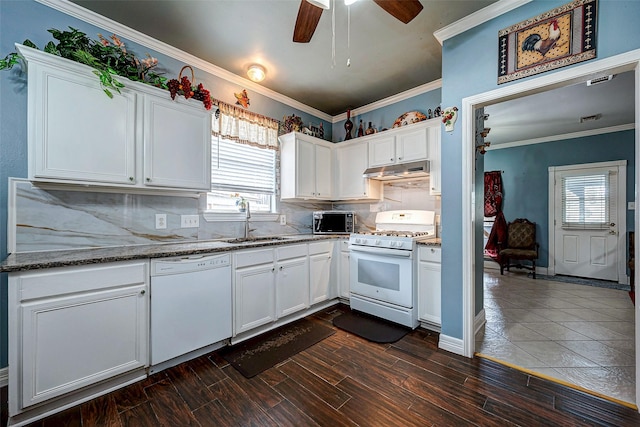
{"x": 334, "y": 222}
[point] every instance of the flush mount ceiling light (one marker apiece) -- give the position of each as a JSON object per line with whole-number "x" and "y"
{"x": 256, "y": 73}
{"x": 322, "y": 4}
{"x": 348, "y": 2}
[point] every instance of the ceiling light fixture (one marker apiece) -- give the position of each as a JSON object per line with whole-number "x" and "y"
{"x": 322, "y": 4}
{"x": 256, "y": 73}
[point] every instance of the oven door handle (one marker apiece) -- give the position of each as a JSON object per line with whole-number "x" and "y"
{"x": 381, "y": 251}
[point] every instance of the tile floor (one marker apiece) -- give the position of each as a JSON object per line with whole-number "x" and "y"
{"x": 579, "y": 334}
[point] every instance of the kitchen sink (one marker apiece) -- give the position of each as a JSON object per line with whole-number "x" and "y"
{"x": 256, "y": 239}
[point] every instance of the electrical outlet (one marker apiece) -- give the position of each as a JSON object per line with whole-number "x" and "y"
{"x": 161, "y": 221}
{"x": 631, "y": 206}
{"x": 189, "y": 221}
{"x": 283, "y": 219}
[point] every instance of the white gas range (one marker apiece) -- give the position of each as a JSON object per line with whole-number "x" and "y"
{"x": 383, "y": 266}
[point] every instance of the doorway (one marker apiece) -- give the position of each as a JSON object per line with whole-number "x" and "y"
{"x": 620, "y": 63}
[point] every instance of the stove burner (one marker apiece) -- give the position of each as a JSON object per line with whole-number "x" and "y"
{"x": 411, "y": 234}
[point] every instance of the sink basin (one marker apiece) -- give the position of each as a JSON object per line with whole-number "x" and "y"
{"x": 256, "y": 239}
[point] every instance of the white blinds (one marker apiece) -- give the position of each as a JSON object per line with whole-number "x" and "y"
{"x": 586, "y": 201}
{"x": 241, "y": 168}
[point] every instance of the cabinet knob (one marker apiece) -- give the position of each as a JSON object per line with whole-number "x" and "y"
{"x": 142, "y": 292}
{"x": 148, "y": 179}
{"x": 391, "y": 159}
{"x": 399, "y": 158}
{"x": 273, "y": 269}
{"x": 131, "y": 178}
{"x": 281, "y": 267}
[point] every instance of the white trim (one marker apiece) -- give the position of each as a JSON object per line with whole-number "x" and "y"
{"x": 480, "y": 320}
{"x": 476, "y": 18}
{"x": 128, "y": 33}
{"x": 564, "y": 136}
{"x": 4, "y": 377}
{"x": 427, "y": 87}
{"x": 622, "y": 212}
{"x": 618, "y": 63}
{"x": 454, "y": 345}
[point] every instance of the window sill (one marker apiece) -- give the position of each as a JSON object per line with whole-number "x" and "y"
{"x": 240, "y": 216}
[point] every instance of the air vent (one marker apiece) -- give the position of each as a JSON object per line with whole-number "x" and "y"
{"x": 590, "y": 118}
{"x": 599, "y": 80}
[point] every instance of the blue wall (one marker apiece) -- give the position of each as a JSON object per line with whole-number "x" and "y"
{"x": 469, "y": 67}
{"x": 525, "y": 175}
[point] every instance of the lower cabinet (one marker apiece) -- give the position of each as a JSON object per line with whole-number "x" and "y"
{"x": 292, "y": 291}
{"x": 343, "y": 269}
{"x": 321, "y": 287}
{"x": 429, "y": 284}
{"x": 72, "y": 327}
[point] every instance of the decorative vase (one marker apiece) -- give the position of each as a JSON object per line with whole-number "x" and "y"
{"x": 348, "y": 125}
{"x": 360, "y": 129}
{"x": 370, "y": 130}
{"x": 449, "y": 117}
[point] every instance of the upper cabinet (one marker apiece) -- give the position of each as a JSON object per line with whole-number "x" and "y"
{"x": 399, "y": 146}
{"x": 351, "y": 161}
{"x": 306, "y": 167}
{"x": 435, "y": 163}
{"x": 140, "y": 138}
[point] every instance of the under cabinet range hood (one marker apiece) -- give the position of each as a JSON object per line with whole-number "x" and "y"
{"x": 398, "y": 171}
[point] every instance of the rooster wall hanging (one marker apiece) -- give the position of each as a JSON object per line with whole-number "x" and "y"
{"x": 242, "y": 98}
{"x": 562, "y": 36}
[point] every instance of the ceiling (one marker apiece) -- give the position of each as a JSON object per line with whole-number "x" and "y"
{"x": 386, "y": 57}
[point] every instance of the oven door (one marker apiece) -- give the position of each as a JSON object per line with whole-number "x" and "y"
{"x": 382, "y": 274}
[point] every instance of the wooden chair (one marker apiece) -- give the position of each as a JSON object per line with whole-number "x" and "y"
{"x": 520, "y": 246}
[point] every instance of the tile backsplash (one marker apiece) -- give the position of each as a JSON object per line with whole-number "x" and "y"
{"x": 45, "y": 219}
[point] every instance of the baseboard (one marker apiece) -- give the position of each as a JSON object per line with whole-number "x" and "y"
{"x": 479, "y": 321}
{"x": 4, "y": 377}
{"x": 454, "y": 345}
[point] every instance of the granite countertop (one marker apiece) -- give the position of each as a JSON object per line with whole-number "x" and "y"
{"x": 431, "y": 242}
{"x": 49, "y": 259}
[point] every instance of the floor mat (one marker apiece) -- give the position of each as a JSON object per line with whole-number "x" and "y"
{"x": 264, "y": 351}
{"x": 585, "y": 281}
{"x": 369, "y": 327}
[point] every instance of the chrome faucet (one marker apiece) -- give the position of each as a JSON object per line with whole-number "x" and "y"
{"x": 247, "y": 230}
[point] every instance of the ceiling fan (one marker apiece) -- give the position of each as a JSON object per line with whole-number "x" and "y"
{"x": 311, "y": 10}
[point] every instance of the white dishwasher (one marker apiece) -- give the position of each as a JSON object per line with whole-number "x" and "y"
{"x": 190, "y": 304}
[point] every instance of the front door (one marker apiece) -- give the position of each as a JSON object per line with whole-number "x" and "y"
{"x": 587, "y": 218}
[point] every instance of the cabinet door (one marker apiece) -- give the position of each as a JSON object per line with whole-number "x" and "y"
{"x": 255, "y": 297}
{"x": 429, "y": 285}
{"x": 292, "y": 286}
{"x": 76, "y": 132}
{"x": 73, "y": 341}
{"x": 382, "y": 151}
{"x": 351, "y": 162}
{"x": 411, "y": 146}
{"x": 320, "y": 277}
{"x": 344, "y": 274}
{"x": 177, "y": 144}
{"x": 435, "y": 164}
{"x": 323, "y": 172}
{"x": 305, "y": 169}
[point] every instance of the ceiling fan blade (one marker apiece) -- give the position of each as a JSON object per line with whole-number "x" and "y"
{"x": 306, "y": 22}
{"x": 404, "y": 10}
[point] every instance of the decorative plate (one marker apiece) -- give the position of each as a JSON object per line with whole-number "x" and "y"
{"x": 408, "y": 118}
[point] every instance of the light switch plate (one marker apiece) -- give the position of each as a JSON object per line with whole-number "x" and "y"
{"x": 283, "y": 219}
{"x": 189, "y": 221}
{"x": 631, "y": 206}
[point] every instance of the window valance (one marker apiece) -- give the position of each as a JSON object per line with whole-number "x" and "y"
{"x": 244, "y": 127}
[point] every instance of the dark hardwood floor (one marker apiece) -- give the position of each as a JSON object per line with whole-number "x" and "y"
{"x": 347, "y": 381}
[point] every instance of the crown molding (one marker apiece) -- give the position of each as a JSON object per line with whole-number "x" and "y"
{"x": 476, "y": 18}
{"x": 419, "y": 90}
{"x": 128, "y": 33}
{"x": 562, "y": 137}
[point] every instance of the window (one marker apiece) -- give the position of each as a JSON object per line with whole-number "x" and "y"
{"x": 585, "y": 201}
{"x": 242, "y": 170}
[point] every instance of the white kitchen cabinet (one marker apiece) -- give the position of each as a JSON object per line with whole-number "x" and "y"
{"x": 320, "y": 261}
{"x": 292, "y": 278}
{"x": 400, "y": 145}
{"x": 254, "y": 289}
{"x": 351, "y": 160}
{"x": 140, "y": 138}
{"x": 435, "y": 161}
{"x": 343, "y": 270}
{"x": 306, "y": 167}
{"x": 429, "y": 285}
{"x": 72, "y": 327}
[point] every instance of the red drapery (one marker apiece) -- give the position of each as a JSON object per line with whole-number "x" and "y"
{"x": 493, "y": 207}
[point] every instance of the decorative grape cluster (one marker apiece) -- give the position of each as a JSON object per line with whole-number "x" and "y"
{"x": 183, "y": 87}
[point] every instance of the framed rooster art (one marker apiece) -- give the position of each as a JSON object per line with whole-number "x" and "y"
{"x": 562, "y": 36}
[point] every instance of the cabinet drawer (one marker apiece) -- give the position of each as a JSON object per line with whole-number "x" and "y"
{"x": 69, "y": 280}
{"x": 321, "y": 247}
{"x": 251, "y": 257}
{"x": 291, "y": 251}
{"x": 431, "y": 254}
